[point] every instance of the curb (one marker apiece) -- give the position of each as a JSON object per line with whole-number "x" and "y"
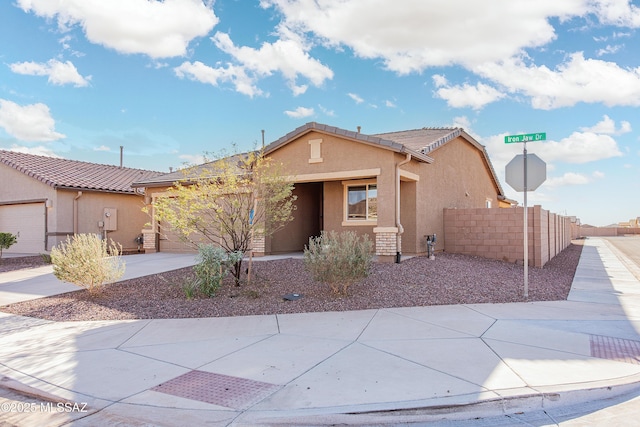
{"x": 28, "y": 391}
{"x": 500, "y": 406}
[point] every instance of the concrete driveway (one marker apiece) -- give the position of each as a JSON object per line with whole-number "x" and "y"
{"x": 24, "y": 285}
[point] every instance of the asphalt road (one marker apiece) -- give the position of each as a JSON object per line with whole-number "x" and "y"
{"x": 629, "y": 247}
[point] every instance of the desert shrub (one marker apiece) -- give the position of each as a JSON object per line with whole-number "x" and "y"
{"x": 189, "y": 288}
{"x": 6, "y": 241}
{"x": 338, "y": 259}
{"x": 213, "y": 265}
{"x": 88, "y": 261}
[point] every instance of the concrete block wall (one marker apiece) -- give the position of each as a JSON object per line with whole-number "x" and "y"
{"x": 498, "y": 233}
{"x": 604, "y": 231}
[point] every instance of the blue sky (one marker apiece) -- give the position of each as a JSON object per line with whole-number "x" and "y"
{"x": 172, "y": 80}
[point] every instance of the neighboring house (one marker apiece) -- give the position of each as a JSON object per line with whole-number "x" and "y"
{"x": 46, "y": 199}
{"x": 391, "y": 186}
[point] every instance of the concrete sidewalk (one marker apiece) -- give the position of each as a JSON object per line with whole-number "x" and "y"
{"x": 421, "y": 363}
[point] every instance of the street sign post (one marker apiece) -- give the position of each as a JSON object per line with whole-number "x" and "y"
{"x": 526, "y": 177}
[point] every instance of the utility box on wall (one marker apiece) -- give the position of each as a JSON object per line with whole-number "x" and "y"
{"x": 110, "y": 218}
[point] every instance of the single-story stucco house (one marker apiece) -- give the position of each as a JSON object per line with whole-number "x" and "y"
{"x": 392, "y": 186}
{"x": 45, "y": 199}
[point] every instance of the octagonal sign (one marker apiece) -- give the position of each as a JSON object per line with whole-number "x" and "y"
{"x": 536, "y": 172}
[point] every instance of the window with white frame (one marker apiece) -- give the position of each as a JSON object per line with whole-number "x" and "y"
{"x": 362, "y": 202}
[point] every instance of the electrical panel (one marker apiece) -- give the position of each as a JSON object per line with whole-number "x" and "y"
{"x": 110, "y": 218}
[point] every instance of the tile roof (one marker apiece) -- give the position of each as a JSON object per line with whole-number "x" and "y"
{"x": 417, "y": 142}
{"x": 379, "y": 140}
{"x": 423, "y": 140}
{"x": 73, "y": 174}
{"x": 426, "y": 140}
{"x": 185, "y": 174}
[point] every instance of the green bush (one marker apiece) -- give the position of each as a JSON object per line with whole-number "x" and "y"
{"x": 88, "y": 261}
{"x": 213, "y": 265}
{"x": 338, "y": 259}
{"x": 6, "y": 241}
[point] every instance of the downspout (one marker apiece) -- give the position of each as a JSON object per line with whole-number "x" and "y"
{"x": 398, "y": 223}
{"x": 75, "y": 213}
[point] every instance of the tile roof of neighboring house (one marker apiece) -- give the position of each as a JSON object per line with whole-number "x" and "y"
{"x": 206, "y": 169}
{"x": 73, "y": 174}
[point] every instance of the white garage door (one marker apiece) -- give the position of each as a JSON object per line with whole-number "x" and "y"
{"x": 26, "y": 221}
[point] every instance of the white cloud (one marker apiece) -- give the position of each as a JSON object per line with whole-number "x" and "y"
{"x": 326, "y": 111}
{"x": 28, "y": 123}
{"x": 158, "y": 29}
{"x": 609, "y": 50}
{"x": 390, "y": 104}
{"x": 616, "y": 12}
{"x": 102, "y": 148}
{"x": 608, "y": 126}
{"x": 410, "y": 35}
{"x": 577, "y": 80}
{"x": 59, "y": 73}
{"x": 355, "y": 97}
{"x": 300, "y": 112}
{"x": 439, "y": 80}
{"x": 579, "y": 147}
{"x": 202, "y": 73}
{"x": 572, "y": 178}
{"x": 288, "y": 57}
{"x": 466, "y": 95}
{"x": 192, "y": 159}
{"x": 38, "y": 151}
{"x": 569, "y": 178}
{"x": 464, "y": 123}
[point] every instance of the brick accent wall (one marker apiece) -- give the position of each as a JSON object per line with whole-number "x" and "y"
{"x": 386, "y": 241}
{"x": 149, "y": 244}
{"x": 498, "y": 233}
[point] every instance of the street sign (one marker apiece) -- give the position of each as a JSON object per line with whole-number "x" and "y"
{"x": 536, "y": 172}
{"x": 528, "y": 137}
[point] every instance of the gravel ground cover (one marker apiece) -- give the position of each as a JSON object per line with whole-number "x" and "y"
{"x": 419, "y": 281}
{"x": 18, "y": 263}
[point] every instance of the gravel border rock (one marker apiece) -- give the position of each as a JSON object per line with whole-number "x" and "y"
{"x": 419, "y": 281}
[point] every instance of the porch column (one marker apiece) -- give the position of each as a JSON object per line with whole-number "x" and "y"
{"x": 149, "y": 243}
{"x": 386, "y": 238}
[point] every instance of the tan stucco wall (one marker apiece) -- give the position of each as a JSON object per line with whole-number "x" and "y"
{"x": 458, "y": 179}
{"x": 91, "y": 205}
{"x": 20, "y": 187}
{"x": 342, "y": 160}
